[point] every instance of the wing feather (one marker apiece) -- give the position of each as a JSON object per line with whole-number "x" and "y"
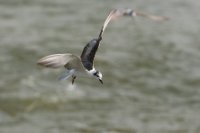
{"x": 89, "y": 51}
{"x": 56, "y": 60}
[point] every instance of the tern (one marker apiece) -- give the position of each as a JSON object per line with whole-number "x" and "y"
{"x": 84, "y": 65}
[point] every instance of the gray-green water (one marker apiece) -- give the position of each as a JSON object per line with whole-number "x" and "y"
{"x": 151, "y": 70}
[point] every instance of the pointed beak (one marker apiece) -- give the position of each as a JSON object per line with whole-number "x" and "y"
{"x": 101, "y": 81}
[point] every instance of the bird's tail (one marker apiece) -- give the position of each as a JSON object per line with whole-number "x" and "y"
{"x": 66, "y": 74}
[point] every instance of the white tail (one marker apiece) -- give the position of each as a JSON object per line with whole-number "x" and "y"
{"x": 66, "y": 74}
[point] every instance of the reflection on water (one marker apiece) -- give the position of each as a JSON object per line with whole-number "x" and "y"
{"x": 151, "y": 70}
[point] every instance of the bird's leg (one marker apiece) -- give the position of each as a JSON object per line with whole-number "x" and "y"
{"x": 73, "y": 79}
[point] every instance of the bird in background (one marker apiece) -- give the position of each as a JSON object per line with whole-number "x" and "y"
{"x": 84, "y": 65}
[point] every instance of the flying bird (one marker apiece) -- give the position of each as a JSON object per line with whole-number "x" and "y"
{"x": 78, "y": 66}
{"x": 132, "y": 13}
{"x": 84, "y": 65}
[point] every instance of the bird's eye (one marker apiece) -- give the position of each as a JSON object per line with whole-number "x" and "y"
{"x": 96, "y": 74}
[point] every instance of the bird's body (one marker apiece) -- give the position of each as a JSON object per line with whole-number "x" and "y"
{"x": 78, "y": 67}
{"x": 72, "y": 63}
{"x": 75, "y": 66}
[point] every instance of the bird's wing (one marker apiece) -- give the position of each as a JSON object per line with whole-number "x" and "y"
{"x": 89, "y": 51}
{"x": 152, "y": 17}
{"x": 133, "y": 13}
{"x": 58, "y": 60}
{"x": 112, "y": 15}
{"x": 118, "y": 13}
{"x": 88, "y": 54}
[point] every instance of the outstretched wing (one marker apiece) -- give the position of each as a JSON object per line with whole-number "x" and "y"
{"x": 88, "y": 54}
{"x": 59, "y": 60}
{"x": 152, "y": 17}
{"x": 89, "y": 51}
{"x": 133, "y": 13}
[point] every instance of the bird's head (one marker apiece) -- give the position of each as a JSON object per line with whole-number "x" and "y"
{"x": 129, "y": 12}
{"x": 98, "y": 75}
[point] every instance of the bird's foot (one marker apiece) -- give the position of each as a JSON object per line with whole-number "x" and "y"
{"x": 73, "y": 79}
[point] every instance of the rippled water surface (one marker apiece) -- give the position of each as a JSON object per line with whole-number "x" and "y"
{"x": 151, "y": 70}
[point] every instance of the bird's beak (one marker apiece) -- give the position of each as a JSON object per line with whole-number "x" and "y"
{"x": 101, "y": 81}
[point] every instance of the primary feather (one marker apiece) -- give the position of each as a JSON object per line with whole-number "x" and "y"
{"x": 56, "y": 60}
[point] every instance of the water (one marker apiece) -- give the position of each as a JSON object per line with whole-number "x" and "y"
{"x": 151, "y": 70}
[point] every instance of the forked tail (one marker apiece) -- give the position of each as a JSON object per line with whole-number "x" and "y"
{"x": 66, "y": 74}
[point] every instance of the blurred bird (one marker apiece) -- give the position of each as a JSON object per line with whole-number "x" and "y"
{"x": 132, "y": 13}
{"x": 84, "y": 65}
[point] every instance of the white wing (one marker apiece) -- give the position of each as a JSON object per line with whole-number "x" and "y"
{"x": 117, "y": 13}
{"x": 57, "y": 60}
{"x": 152, "y": 17}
